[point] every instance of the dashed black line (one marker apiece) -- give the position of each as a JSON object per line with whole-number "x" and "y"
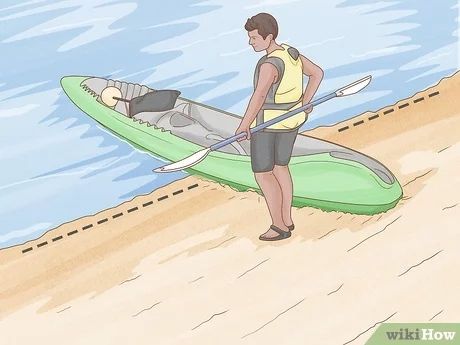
{"x": 114, "y": 216}
{"x": 147, "y": 203}
{"x": 402, "y": 106}
{"x": 388, "y": 111}
{"x": 117, "y": 215}
{"x": 373, "y": 117}
{"x": 102, "y": 221}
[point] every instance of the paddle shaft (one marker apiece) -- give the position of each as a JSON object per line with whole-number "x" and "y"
{"x": 121, "y": 99}
{"x": 258, "y": 128}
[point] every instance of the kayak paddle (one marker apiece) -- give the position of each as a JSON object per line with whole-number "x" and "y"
{"x": 200, "y": 155}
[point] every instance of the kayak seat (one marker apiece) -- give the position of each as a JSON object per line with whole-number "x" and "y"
{"x": 179, "y": 119}
{"x": 174, "y": 119}
{"x": 155, "y": 117}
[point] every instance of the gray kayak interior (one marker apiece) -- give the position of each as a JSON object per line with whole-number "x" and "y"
{"x": 205, "y": 125}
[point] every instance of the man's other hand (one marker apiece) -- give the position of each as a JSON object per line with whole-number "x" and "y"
{"x": 243, "y": 128}
{"x": 308, "y": 111}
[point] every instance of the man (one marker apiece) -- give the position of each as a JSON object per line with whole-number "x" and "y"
{"x": 278, "y": 88}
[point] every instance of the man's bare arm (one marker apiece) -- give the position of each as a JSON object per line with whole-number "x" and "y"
{"x": 267, "y": 76}
{"x": 315, "y": 74}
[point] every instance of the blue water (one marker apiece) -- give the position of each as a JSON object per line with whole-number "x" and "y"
{"x": 57, "y": 164}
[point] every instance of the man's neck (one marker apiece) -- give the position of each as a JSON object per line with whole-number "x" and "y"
{"x": 272, "y": 47}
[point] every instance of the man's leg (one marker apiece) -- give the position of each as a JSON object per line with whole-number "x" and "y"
{"x": 273, "y": 197}
{"x": 283, "y": 176}
{"x": 262, "y": 162}
{"x": 284, "y": 144}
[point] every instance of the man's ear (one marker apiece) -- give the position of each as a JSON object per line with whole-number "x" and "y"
{"x": 269, "y": 37}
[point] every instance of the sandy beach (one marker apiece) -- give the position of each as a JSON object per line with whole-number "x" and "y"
{"x": 183, "y": 265}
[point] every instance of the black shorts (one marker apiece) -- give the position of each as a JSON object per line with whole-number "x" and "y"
{"x": 271, "y": 148}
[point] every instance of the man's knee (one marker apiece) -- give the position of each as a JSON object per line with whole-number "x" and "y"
{"x": 263, "y": 175}
{"x": 280, "y": 168}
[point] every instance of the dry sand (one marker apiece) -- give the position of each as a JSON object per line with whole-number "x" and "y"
{"x": 189, "y": 268}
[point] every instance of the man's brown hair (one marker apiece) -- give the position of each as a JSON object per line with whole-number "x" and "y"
{"x": 264, "y": 23}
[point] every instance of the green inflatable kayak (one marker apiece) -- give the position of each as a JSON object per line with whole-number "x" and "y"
{"x": 325, "y": 175}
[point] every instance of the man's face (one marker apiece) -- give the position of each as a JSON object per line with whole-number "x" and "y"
{"x": 257, "y": 42}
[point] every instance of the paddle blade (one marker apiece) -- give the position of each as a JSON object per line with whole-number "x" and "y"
{"x": 185, "y": 163}
{"x": 155, "y": 101}
{"x": 354, "y": 87}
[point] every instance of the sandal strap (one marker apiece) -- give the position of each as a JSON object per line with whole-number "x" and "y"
{"x": 281, "y": 234}
{"x": 278, "y": 230}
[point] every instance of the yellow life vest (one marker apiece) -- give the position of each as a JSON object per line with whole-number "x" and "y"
{"x": 286, "y": 93}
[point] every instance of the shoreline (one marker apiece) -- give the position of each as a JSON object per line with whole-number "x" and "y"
{"x": 334, "y": 133}
{"x": 110, "y": 214}
{"x": 192, "y": 264}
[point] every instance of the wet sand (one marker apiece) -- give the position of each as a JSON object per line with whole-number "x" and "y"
{"x": 184, "y": 265}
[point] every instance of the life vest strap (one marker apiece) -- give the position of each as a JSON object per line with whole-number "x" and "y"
{"x": 280, "y": 106}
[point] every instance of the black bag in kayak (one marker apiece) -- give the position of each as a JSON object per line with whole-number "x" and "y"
{"x": 159, "y": 100}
